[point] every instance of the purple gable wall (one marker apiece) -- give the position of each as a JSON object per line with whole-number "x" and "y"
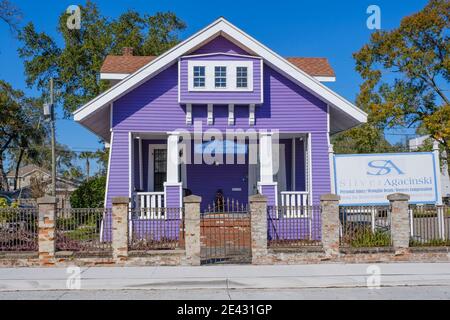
{"x": 218, "y": 97}
{"x": 220, "y": 44}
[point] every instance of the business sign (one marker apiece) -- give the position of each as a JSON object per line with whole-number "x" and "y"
{"x": 362, "y": 179}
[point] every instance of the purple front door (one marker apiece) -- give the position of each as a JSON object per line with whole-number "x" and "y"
{"x": 205, "y": 180}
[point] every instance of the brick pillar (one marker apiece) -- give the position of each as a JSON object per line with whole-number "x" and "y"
{"x": 192, "y": 229}
{"x": 46, "y": 229}
{"x": 329, "y": 204}
{"x": 120, "y": 228}
{"x": 400, "y": 228}
{"x": 258, "y": 219}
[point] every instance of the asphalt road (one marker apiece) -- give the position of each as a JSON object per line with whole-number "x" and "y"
{"x": 404, "y": 293}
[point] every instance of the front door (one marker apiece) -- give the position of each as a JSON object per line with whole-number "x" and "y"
{"x": 157, "y": 168}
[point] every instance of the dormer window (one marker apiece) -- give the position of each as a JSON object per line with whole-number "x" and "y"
{"x": 241, "y": 77}
{"x": 220, "y": 77}
{"x": 199, "y": 77}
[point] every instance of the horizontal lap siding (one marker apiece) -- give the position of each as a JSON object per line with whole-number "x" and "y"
{"x": 154, "y": 107}
{"x": 220, "y": 44}
{"x": 320, "y": 166}
{"x": 118, "y": 185}
{"x": 173, "y": 196}
{"x": 269, "y": 192}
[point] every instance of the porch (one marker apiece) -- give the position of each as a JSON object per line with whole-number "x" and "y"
{"x": 166, "y": 167}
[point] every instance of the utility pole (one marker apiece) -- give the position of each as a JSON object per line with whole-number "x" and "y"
{"x": 52, "y": 126}
{"x": 49, "y": 111}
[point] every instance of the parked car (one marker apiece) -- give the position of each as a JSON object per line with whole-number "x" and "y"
{"x": 6, "y": 198}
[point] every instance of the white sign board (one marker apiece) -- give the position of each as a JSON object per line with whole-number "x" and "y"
{"x": 362, "y": 179}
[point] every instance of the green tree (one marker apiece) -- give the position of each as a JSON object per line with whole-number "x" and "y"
{"x": 77, "y": 62}
{"x": 87, "y": 155}
{"x": 102, "y": 156}
{"x": 20, "y": 128}
{"x": 90, "y": 194}
{"x": 10, "y": 14}
{"x": 406, "y": 71}
{"x": 363, "y": 139}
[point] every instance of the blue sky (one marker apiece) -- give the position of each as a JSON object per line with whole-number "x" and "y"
{"x": 332, "y": 29}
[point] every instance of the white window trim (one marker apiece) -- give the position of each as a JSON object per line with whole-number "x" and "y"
{"x": 151, "y": 178}
{"x": 194, "y": 76}
{"x": 210, "y": 75}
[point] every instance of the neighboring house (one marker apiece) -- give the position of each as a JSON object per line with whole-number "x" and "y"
{"x": 415, "y": 144}
{"x": 28, "y": 173}
{"x": 222, "y": 79}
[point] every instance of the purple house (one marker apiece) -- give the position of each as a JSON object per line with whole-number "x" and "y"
{"x": 219, "y": 111}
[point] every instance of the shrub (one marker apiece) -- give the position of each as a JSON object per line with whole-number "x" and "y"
{"x": 362, "y": 236}
{"x": 90, "y": 194}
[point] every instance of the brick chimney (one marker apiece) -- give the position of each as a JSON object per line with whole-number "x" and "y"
{"x": 127, "y": 51}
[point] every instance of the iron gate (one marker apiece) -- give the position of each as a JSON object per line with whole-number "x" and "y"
{"x": 225, "y": 233}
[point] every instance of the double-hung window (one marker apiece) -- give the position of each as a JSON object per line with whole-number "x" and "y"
{"x": 199, "y": 77}
{"x": 241, "y": 77}
{"x": 220, "y": 77}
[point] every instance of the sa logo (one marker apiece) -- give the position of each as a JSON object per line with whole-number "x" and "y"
{"x": 382, "y": 167}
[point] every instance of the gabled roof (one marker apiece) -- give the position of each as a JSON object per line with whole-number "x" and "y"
{"x": 347, "y": 114}
{"x": 26, "y": 170}
{"x": 317, "y": 67}
{"x": 124, "y": 64}
{"x": 127, "y": 64}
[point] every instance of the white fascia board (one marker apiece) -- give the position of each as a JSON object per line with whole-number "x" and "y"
{"x": 221, "y": 54}
{"x": 221, "y": 26}
{"x": 113, "y": 76}
{"x": 325, "y": 79}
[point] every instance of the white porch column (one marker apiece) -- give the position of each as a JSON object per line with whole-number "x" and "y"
{"x": 172, "y": 186}
{"x": 266, "y": 185}
{"x": 265, "y": 156}
{"x": 173, "y": 158}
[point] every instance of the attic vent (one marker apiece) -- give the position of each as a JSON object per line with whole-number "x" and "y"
{"x": 127, "y": 51}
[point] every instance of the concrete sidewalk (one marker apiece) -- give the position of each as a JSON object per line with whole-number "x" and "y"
{"x": 227, "y": 277}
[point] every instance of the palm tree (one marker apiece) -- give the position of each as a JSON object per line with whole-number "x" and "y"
{"x": 87, "y": 155}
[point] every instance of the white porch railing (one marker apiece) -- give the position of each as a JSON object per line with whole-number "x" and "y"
{"x": 150, "y": 204}
{"x": 296, "y": 203}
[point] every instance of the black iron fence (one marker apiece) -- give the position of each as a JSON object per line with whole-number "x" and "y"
{"x": 18, "y": 229}
{"x": 156, "y": 228}
{"x": 225, "y": 233}
{"x": 365, "y": 226}
{"x": 298, "y": 226}
{"x": 86, "y": 230}
{"x": 430, "y": 225}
